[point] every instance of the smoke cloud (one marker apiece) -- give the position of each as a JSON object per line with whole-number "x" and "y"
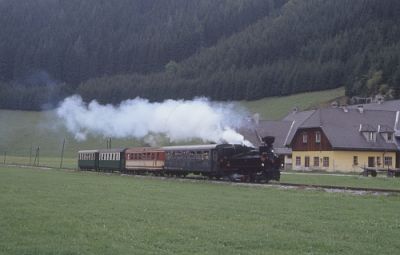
{"x": 179, "y": 120}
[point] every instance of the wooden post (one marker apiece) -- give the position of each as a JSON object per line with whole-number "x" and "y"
{"x": 30, "y": 156}
{"x": 36, "y": 161}
{"x": 62, "y": 154}
{"x": 38, "y": 157}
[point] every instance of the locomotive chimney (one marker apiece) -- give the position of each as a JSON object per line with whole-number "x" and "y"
{"x": 268, "y": 140}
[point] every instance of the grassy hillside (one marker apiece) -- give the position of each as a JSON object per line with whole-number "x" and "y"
{"x": 60, "y": 212}
{"x": 21, "y": 130}
{"x": 273, "y": 108}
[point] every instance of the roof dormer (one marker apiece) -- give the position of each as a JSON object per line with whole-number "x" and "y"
{"x": 368, "y": 132}
{"x": 387, "y": 133}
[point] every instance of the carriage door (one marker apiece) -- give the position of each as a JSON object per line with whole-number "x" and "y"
{"x": 371, "y": 161}
{"x": 214, "y": 160}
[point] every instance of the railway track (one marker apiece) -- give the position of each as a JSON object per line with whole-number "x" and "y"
{"x": 329, "y": 188}
{"x": 339, "y": 188}
{"x": 332, "y": 188}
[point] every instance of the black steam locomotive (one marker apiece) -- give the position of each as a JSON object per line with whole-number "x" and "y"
{"x": 221, "y": 161}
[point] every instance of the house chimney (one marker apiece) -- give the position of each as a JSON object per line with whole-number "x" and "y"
{"x": 360, "y": 128}
{"x": 360, "y": 108}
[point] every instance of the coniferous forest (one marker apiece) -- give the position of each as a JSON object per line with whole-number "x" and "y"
{"x": 222, "y": 49}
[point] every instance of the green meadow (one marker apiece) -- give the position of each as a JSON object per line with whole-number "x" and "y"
{"x": 275, "y": 108}
{"x": 68, "y": 212}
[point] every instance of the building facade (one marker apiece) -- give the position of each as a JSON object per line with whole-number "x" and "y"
{"x": 346, "y": 140}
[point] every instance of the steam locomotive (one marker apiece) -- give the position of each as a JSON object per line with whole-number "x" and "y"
{"x": 221, "y": 161}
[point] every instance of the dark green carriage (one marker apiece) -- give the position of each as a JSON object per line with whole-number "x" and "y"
{"x": 112, "y": 160}
{"x": 196, "y": 159}
{"x": 88, "y": 160}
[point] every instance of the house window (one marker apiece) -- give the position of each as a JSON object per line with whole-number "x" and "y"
{"x": 316, "y": 161}
{"x": 326, "y": 162}
{"x": 371, "y": 161}
{"x": 371, "y": 136}
{"x": 378, "y": 161}
{"x": 307, "y": 161}
{"x": 317, "y": 137}
{"x": 355, "y": 160}
{"x": 389, "y": 137}
{"x": 298, "y": 161}
{"x": 304, "y": 137}
{"x": 388, "y": 161}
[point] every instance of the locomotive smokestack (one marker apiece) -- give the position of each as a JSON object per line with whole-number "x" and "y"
{"x": 268, "y": 140}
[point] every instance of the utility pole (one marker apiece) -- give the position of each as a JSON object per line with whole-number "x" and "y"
{"x": 62, "y": 153}
{"x": 109, "y": 143}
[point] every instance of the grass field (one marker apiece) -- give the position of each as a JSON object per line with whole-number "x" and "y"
{"x": 64, "y": 212}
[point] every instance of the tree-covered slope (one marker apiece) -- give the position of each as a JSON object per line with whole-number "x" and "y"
{"x": 224, "y": 49}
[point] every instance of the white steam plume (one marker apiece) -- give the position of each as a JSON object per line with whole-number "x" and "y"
{"x": 179, "y": 120}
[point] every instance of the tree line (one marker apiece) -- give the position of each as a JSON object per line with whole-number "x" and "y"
{"x": 225, "y": 50}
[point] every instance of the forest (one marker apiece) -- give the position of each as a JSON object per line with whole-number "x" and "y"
{"x": 181, "y": 49}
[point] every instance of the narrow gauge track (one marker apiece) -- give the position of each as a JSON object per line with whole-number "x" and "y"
{"x": 280, "y": 184}
{"x": 333, "y": 187}
{"x": 292, "y": 185}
